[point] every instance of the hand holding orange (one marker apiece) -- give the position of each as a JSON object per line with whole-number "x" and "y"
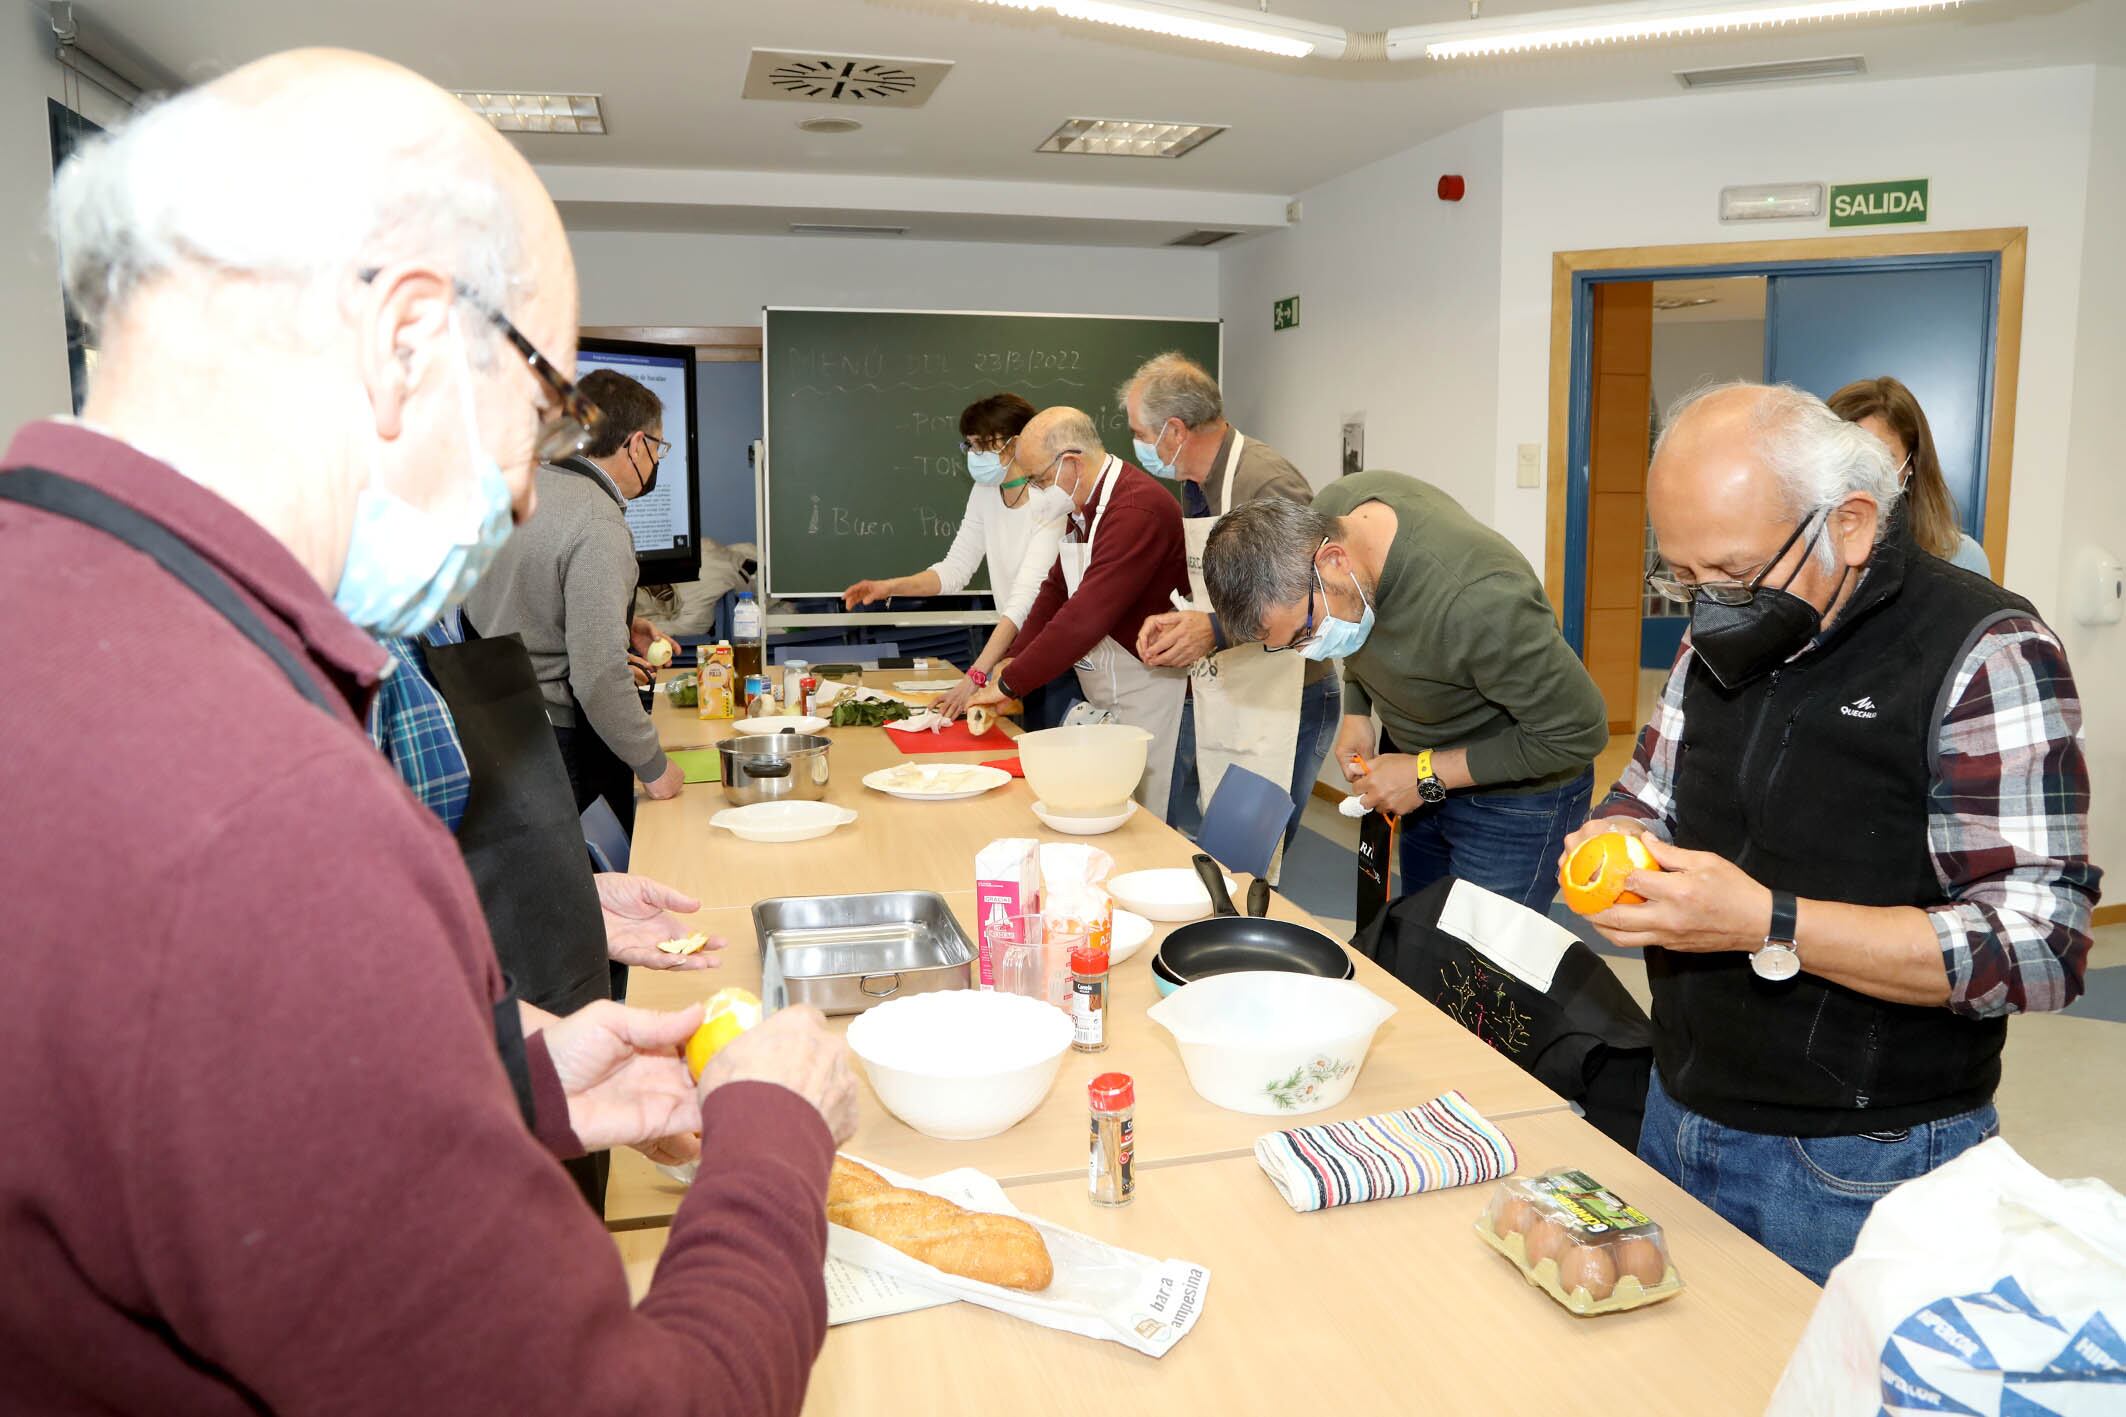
{"x": 1593, "y": 877}
{"x": 729, "y": 1013}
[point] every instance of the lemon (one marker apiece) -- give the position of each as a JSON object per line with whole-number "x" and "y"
{"x": 730, "y": 1013}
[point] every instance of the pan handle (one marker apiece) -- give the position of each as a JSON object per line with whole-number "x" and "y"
{"x": 1258, "y": 897}
{"x": 1208, "y": 872}
{"x": 766, "y": 767}
{"x": 886, "y": 993}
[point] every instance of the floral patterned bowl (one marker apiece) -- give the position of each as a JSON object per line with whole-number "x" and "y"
{"x": 1274, "y": 1045}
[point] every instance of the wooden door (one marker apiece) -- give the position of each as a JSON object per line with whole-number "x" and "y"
{"x": 1620, "y": 430}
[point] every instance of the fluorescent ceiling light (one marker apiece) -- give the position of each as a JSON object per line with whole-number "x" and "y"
{"x": 1199, "y": 20}
{"x": 1626, "y": 23}
{"x": 1123, "y": 137}
{"x": 537, "y": 112}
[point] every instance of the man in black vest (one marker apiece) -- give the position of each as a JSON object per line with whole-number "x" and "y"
{"x": 1866, "y": 789}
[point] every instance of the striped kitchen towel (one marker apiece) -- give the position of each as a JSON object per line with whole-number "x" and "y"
{"x": 1444, "y": 1143}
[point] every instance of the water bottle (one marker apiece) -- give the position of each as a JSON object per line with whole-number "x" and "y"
{"x": 745, "y": 635}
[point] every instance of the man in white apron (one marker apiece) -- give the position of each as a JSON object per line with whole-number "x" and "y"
{"x": 1260, "y": 711}
{"x": 1122, "y": 560}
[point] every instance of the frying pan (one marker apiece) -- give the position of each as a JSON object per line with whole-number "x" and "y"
{"x": 1229, "y": 942}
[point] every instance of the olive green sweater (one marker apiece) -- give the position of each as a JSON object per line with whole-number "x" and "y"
{"x": 1465, "y": 651}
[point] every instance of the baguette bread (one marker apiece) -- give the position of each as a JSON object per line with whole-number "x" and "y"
{"x": 994, "y": 1249}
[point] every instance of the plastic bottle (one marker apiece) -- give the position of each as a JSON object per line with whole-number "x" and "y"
{"x": 745, "y": 636}
{"x": 1112, "y": 1171}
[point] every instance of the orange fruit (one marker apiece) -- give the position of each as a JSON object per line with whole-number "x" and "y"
{"x": 1593, "y": 878}
{"x": 730, "y": 1013}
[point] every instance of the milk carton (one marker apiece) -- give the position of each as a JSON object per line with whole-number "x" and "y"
{"x": 1007, "y": 882}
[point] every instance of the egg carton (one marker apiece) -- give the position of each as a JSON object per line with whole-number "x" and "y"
{"x": 1593, "y": 1252}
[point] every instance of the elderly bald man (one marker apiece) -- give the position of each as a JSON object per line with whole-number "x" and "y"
{"x": 1865, "y": 784}
{"x": 1121, "y": 562}
{"x": 265, "y": 1090}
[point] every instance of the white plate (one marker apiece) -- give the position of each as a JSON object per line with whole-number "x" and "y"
{"x": 777, "y": 722}
{"x": 1082, "y": 826}
{"x": 1172, "y": 894}
{"x": 1131, "y": 932}
{"x": 782, "y": 821}
{"x": 973, "y": 773}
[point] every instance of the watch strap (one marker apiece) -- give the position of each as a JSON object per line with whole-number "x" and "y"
{"x": 1785, "y": 912}
{"x": 977, "y": 678}
{"x": 1424, "y": 765}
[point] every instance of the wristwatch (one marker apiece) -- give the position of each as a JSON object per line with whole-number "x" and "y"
{"x": 977, "y": 678}
{"x": 1429, "y": 788}
{"x": 1777, "y": 959}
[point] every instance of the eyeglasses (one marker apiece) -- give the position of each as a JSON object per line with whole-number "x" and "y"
{"x": 1307, "y": 634}
{"x": 1740, "y": 591}
{"x": 569, "y": 420}
{"x": 987, "y": 445}
{"x": 659, "y": 446}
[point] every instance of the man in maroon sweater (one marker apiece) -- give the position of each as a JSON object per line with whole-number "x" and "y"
{"x": 260, "y": 1082}
{"x": 1122, "y": 560}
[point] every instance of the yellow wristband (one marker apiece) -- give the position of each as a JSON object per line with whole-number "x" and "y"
{"x": 1424, "y": 765}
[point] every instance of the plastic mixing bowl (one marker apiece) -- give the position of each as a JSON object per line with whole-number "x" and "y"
{"x": 1086, "y": 770}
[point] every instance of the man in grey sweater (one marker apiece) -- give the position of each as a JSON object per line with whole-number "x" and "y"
{"x": 563, "y": 584}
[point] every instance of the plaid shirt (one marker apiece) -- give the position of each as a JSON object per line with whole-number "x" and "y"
{"x": 412, "y": 725}
{"x": 2007, "y": 820}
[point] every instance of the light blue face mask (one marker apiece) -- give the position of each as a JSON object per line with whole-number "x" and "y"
{"x": 1339, "y": 639}
{"x": 408, "y": 568}
{"x": 1148, "y": 457}
{"x": 986, "y": 468}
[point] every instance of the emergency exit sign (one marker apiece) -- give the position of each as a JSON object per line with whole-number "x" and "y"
{"x": 1879, "y": 203}
{"x": 1284, "y": 314}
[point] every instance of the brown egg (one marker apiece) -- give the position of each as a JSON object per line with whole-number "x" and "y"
{"x": 1587, "y": 1267}
{"x": 1512, "y": 1217}
{"x": 1640, "y": 1259}
{"x": 1546, "y": 1241}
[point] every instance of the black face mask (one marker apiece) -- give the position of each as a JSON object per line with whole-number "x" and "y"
{"x": 1739, "y": 643}
{"x": 649, "y": 484}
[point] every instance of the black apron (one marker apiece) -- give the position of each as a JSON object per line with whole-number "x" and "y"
{"x": 523, "y": 841}
{"x": 77, "y": 501}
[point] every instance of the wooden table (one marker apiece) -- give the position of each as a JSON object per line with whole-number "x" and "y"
{"x": 1390, "y": 1307}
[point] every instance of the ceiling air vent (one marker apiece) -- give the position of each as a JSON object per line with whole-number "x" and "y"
{"x": 830, "y": 228}
{"x": 1202, "y": 238}
{"x": 862, "y": 80}
{"x": 1792, "y": 71}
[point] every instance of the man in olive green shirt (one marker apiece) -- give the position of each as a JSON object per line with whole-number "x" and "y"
{"x": 1490, "y": 722}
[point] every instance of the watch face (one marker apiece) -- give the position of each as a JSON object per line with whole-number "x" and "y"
{"x": 1776, "y": 961}
{"x": 1431, "y": 789}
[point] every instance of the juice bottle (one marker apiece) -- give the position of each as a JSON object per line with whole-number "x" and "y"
{"x": 718, "y": 682}
{"x": 745, "y": 630}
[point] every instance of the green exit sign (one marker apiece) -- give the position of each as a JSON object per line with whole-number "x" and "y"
{"x": 1879, "y": 203}
{"x": 1284, "y": 314}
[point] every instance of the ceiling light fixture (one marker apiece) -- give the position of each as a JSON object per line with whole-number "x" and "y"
{"x": 537, "y": 112}
{"x": 1629, "y": 23}
{"x": 1779, "y": 71}
{"x": 1123, "y": 137}
{"x": 1198, "y": 20}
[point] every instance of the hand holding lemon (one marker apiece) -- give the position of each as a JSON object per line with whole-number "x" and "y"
{"x": 729, "y": 1012}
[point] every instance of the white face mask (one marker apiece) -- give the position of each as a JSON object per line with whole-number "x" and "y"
{"x": 407, "y": 568}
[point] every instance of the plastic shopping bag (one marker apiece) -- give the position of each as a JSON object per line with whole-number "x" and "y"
{"x": 1983, "y": 1287}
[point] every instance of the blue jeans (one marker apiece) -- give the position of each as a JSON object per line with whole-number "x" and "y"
{"x": 1802, "y": 1198}
{"x": 1506, "y": 842}
{"x": 1320, "y": 714}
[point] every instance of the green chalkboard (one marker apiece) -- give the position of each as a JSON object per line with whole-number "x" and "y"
{"x": 864, "y": 475}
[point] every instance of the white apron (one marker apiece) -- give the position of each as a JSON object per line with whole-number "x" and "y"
{"x": 1247, "y": 701}
{"x": 1112, "y": 678}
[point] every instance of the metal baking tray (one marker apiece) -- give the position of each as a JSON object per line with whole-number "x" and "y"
{"x": 844, "y": 953}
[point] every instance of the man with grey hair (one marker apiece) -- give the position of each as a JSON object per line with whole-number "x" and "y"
{"x": 1245, "y": 708}
{"x": 279, "y": 1136}
{"x": 1489, "y": 722}
{"x": 1865, "y": 789}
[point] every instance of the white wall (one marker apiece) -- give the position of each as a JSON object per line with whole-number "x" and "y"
{"x": 1398, "y": 319}
{"x": 2009, "y": 149}
{"x": 1688, "y": 353}
{"x": 33, "y": 372}
{"x": 643, "y": 278}
{"x": 2094, "y": 510}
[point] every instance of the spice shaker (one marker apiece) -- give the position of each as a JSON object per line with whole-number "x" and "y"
{"x": 1088, "y": 999}
{"x": 1112, "y": 1172}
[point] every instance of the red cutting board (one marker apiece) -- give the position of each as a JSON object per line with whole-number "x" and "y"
{"x": 955, "y": 737}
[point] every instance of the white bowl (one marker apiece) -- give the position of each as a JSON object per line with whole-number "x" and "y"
{"x": 957, "y": 1064}
{"x": 1088, "y": 769}
{"x": 1131, "y": 931}
{"x": 1083, "y": 826}
{"x": 1172, "y": 894}
{"x": 777, "y": 722}
{"x": 1273, "y": 1045}
{"x": 782, "y": 821}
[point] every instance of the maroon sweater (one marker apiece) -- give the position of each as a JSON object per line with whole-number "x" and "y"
{"x": 1139, "y": 559}
{"x": 258, "y": 1149}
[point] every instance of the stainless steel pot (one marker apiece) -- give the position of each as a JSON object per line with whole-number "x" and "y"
{"x": 774, "y": 767}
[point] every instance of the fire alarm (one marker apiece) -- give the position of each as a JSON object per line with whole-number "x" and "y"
{"x": 1451, "y": 188}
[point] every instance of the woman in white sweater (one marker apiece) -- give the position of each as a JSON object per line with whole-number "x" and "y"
{"x": 1009, "y": 524}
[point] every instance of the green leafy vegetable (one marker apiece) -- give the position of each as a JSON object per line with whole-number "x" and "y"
{"x": 850, "y": 714}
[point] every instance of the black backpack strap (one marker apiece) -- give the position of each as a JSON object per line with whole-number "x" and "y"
{"x": 79, "y": 502}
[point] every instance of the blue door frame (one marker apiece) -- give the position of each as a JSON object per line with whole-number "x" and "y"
{"x": 1577, "y": 454}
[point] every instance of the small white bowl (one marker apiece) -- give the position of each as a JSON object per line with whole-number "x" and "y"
{"x": 777, "y": 722}
{"x": 958, "y": 1064}
{"x": 782, "y": 821}
{"x": 1132, "y": 931}
{"x": 1172, "y": 894}
{"x": 1083, "y": 826}
{"x": 1272, "y": 1044}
